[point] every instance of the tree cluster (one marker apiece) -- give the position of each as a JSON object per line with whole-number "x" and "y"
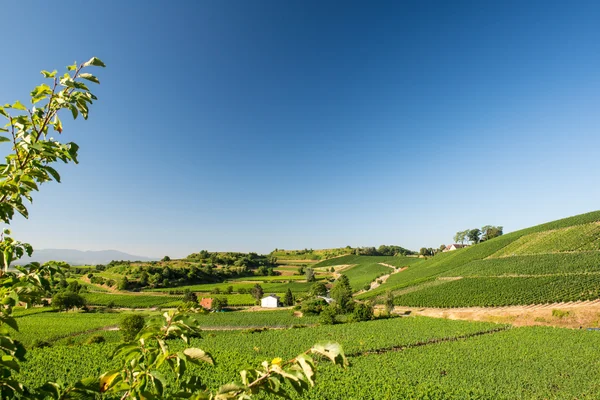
{"x": 383, "y": 250}
{"x": 477, "y": 235}
{"x": 232, "y": 259}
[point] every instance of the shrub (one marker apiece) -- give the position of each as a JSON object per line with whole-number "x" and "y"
{"x": 327, "y": 316}
{"x": 561, "y": 314}
{"x": 362, "y": 312}
{"x": 219, "y": 303}
{"x": 95, "y": 339}
{"x": 130, "y": 326}
{"x": 313, "y": 306}
{"x": 40, "y": 344}
{"x": 189, "y": 297}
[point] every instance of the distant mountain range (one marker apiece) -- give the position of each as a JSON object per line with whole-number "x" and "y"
{"x": 78, "y": 257}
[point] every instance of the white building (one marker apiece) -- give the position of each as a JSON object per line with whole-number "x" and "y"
{"x": 271, "y": 301}
{"x": 455, "y": 246}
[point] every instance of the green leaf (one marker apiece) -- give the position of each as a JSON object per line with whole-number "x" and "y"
{"x": 18, "y": 106}
{"x": 3, "y": 112}
{"x": 3, "y": 138}
{"x": 198, "y": 354}
{"x": 96, "y": 62}
{"x": 89, "y": 77}
{"x": 53, "y": 173}
{"x": 10, "y": 322}
{"x": 73, "y": 111}
{"x": 49, "y": 74}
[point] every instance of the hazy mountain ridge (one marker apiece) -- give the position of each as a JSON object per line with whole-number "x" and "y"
{"x": 78, "y": 257}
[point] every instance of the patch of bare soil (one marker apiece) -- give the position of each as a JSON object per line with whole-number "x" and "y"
{"x": 576, "y": 315}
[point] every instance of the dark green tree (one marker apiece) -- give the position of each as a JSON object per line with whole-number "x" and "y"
{"x": 389, "y": 301}
{"x": 474, "y": 235}
{"x": 66, "y": 300}
{"x": 130, "y": 326}
{"x": 362, "y": 312}
{"x": 289, "y": 298}
{"x": 310, "y": 275}
{"x": 219, "y": 303}
{"x": 124, "y": 283}
{"x": 189, "y": 297}
{"x": 341, "y": 292}
{"x": 318, "y": 289}
{"x": 257, "y": 292}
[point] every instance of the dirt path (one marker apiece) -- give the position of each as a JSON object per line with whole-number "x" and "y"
{"x": 338, "y": 269}
{"x": 584, "y": 314}
{"x": 375, "y": 284}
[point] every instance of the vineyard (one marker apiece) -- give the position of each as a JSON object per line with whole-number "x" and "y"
{"x": 363, "y": 274}
{"x": 51, "y": 326}
{"x": 439, "y": 359}
{"x": 481, "y": 260}
{"x": 506, "y": 291}
{"x": 542, "y": 264}
{"x": 131, "y": 300}
{"x": 584, "y": 237}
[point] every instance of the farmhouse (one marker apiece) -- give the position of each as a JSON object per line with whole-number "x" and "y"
{"x": 455, "y": 246}
{"x": 271, "y": 301}
{"x": 206, "y": 303}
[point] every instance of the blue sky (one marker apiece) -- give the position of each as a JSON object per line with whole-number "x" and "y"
{"x": 251, "y": 125}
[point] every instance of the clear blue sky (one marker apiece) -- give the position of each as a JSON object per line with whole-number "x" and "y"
{"x": 251, "y": 125}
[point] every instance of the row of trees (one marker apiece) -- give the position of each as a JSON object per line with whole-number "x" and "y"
{"x": 477, "y": 235}
{"x": 383, "y": 250}
{"x": 233, "y": 259}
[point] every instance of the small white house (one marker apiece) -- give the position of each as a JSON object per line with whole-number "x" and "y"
{"x": 271, "y": 301}
{"x": 455, "y": 246}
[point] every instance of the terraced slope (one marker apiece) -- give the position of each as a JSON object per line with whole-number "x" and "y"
{"x": 562, "y": 263}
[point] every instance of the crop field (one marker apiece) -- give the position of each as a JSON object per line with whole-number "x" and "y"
{"x": 352, "y": 259}
{"x": 267, "y": 287}
{"x": 275, "y": 318}
{"x": 51, "y": 326}
{"x": 521, "y": 363}
{"x": 470, "y": 360}
{"x": 236, "y": 349}
{"x": 130, "y": 300}
{"x": 541, "y": 264}
{"x": 493, "y": 292}
{"x": 363, "y": 274}
{"x": 275, "y": 278}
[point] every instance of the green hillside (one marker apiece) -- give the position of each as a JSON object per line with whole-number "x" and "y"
{"x": 553, "y": 262}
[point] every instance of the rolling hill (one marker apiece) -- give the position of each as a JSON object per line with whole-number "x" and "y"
{"x": 558, "y": 261}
